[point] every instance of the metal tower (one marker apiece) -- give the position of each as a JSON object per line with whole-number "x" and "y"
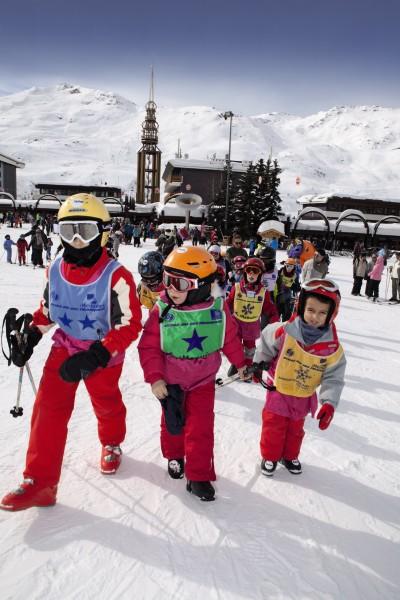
{"x": 149, "y": 155}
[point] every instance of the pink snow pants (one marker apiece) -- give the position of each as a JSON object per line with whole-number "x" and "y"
{"x": 196, "y": 442}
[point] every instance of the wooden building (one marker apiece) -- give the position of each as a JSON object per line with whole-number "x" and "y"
{"x": 203, "y": 177}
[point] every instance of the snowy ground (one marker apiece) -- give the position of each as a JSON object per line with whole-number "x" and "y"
{"x": 332, "y": 532}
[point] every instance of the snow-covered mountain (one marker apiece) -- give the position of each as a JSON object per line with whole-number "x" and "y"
{"x": 79, "y": 135}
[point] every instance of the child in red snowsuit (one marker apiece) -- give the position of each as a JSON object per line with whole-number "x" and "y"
{"x": 303, "y": 354}
{"x": 248, "y": 300}
{"x": 181, "y": 344}
{"x": 22, "y": 247}
{"x": 92, "y": 299}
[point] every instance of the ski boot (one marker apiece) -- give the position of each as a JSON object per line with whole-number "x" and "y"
{"x": 268, "y": 467}
{"x": 202, "y": 489}
{"x": 176, "y": 468}
{"x": 293, "y": 466}
{"x": 110, "y": 459}
{"x": 27, "y": 495}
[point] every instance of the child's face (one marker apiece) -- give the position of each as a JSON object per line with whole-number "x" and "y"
{"x": 252, "y": 275}
{"x": 78, "y": 243}
{"x": 315, "y": 312}
{"x": 177, "y": 297}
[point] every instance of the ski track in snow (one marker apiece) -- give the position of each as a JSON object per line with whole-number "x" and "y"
{"x": 331, "y": 533}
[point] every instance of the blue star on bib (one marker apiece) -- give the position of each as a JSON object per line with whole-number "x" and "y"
{"x": 195, "y": 342}
{"x": 87, "y": 323}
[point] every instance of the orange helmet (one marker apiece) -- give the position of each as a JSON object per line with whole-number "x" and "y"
{"x": 191, "y": 261}
{"x": 290, "y": 261}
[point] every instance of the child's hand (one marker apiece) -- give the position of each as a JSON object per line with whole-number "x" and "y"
{"x": 325, "y": 415}
{"x": 159, "y": 389}
{"x": 243, "y": 374}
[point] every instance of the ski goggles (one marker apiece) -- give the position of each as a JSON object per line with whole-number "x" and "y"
{"x": 86, "y": 231}
{"x": 179, "y": 283}
{"x": 252, "y": 270}
{"x": 325, "y": 284}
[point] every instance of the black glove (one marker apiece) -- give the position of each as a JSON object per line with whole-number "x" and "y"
{"x": 82, "y": 364}
{"x": 22, "y": 345}
{"x": 173, "y": 409}
{"x": 257, "y": 369}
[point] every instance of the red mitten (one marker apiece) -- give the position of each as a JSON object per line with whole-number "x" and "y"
{"x": 325, "y": 415}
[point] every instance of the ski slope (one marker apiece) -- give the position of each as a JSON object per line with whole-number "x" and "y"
{"x": 331, "y": 533}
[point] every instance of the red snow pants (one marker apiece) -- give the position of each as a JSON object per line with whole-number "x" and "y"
{"x": 281, "y": 437}
{"x": 196, "y": 442}
{"x": 52, "y": 411}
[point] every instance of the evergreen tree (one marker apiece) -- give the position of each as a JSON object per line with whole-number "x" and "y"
{"x": 263, "y": 193}
{"x": 217, "y": 209}
{"x": 275, "y": 198}
{"x": 243, "y": 204}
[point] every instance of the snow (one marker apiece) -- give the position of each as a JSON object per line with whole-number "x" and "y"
{"x": 331, "y": 533}
{"x": 70, "y": 133}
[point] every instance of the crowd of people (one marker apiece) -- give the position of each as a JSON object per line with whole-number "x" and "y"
{"x": 274, "y": 323}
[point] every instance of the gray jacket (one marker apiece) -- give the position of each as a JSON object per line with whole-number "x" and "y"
{"x": 269, "y": 345}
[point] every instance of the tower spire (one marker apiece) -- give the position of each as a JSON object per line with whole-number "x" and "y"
{"x": 149, "y": 155}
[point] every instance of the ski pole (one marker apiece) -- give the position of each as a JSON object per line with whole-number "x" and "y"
{"x": 17, "y": 410}
{"x": 28, "y": 370}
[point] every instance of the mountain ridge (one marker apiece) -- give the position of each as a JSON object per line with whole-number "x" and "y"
{"x": 82, "y": 135}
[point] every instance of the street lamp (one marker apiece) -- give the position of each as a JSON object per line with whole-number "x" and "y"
{"x": 228, "y": 115}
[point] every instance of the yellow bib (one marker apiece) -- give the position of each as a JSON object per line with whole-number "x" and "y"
{"x": 147, "y": 297}
{"x": 299, "y": 373}
{"x": 248, "y": 308}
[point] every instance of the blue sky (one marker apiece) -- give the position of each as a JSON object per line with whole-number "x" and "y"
{"x": 296, "y": 56}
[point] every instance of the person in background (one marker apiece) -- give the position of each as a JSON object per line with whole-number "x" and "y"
{"x": 375, "y": 276}
{"x": 166, "y": 242}
{"x": 150, "y": 269}
{"x": 274, "y": 244}
{"x": 395, "y": 276}
{"x": 222, "y": 269}
{"x": 287, "y": 286}
{"x": 7, "y": 245}
{"x": 137, "y": 232}
{"x": 316, "y": 267}
{"x": 300, "y": 355}
{"x": 248, "y": 300}
{"x": 49, "y": 245}
{"x": 360, "y": 266}
{"x": 371, "y": 260}
{"x": 236, "y": 249}
{"x": 22, "y": 248}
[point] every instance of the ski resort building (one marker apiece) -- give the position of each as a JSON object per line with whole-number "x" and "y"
{"x": 8, "y": 178}
{"x": 203, "y": 177}
{"x": 340, "y": 220}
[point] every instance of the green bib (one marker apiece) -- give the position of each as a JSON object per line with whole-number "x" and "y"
{"x": 192, "y": 333}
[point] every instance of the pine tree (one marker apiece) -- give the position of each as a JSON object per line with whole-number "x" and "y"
{"x": 243, "y": 205}
{"x": 263, "y": 192}
{"x": 217, "y": 209}
{"x": 275, "y": 198}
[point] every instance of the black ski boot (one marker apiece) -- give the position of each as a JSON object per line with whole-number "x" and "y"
{"x": 232, "y": 371}
{"x": 293, "y": 466}
{"x": 202, "y": 489}
{"x": 268, "y": 467}
{"x": 176, "y": 468}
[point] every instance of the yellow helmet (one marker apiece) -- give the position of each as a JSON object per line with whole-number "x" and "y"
{"x": 85, "y": 207}
{"x": 191, "y": 261}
